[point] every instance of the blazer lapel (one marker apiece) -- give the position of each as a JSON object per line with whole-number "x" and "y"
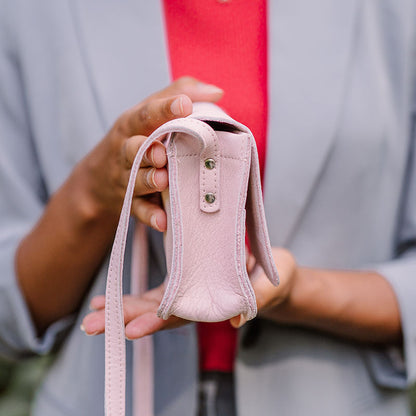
{"x": 310, "y": 45}
{"x": 123, "y": 51}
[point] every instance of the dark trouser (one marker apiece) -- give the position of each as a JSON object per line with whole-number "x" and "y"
{"x": 216, "y": 394}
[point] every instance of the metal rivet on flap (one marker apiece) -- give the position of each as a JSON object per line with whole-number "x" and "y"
{"x": 210, "y": 164}
{"x": 210, "y": 198}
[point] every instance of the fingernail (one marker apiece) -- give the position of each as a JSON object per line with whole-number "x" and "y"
{"x": 177, "y": 107}
{"x": 136, "y": 336}
{"x": 210, "y": 89}
{"x": 148, "y": 156}
{"x": 130, "y": 339}
{"x": 150, "y": 178}
{"x": 153, "y": 222}
{"x": 82, "y": 328}
{"x": 152, "y": 156}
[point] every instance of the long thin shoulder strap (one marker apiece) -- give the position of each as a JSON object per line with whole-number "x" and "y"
{"x": 115, "y": 353}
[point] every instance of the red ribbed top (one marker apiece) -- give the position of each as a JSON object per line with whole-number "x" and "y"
{"x": 223, "y": 43}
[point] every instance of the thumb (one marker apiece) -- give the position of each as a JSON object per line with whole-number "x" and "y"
{"x": 238, "y": 321}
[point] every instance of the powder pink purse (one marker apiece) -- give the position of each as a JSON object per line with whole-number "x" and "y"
{"x": 214, "y": 192}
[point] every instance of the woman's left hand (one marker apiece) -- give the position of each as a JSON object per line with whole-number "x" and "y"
{"x": 358, "y": 305}
{"x": 271, "y": 299}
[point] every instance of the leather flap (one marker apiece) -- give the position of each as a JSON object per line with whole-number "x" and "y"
{"x": 256, "y": 219}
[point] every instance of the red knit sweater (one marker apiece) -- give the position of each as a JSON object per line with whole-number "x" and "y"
{"x": 223, "y": 42}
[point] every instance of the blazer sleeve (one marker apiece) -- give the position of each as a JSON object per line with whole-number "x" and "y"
{"x": 22, "y": 200}
{"x": 392, "y": 367}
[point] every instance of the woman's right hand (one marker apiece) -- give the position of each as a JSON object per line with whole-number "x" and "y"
{"x": 57, "y": 259}
{"x": 107, "y": 167}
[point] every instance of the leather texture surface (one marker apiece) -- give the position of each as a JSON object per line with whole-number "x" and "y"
{"x": 207, "y": 278}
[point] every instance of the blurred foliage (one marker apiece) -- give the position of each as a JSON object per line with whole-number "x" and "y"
{"x": 18, "y": 383}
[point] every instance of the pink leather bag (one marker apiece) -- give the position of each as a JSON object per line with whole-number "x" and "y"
{"x": 214, "y": 193}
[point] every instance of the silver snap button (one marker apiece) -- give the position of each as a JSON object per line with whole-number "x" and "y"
{"x": 210, "y": 198}
{"x": 210, "y": 164}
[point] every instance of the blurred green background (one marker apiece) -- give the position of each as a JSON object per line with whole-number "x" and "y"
{"x": 18, "y": 382}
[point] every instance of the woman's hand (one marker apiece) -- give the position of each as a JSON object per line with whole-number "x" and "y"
{"x": 270, "y": 299}
{"x": 58, "y": 258}
{"x": 358, "y": 305}
{"x": 107, "y": 168}
{"x": 139, "y": 315}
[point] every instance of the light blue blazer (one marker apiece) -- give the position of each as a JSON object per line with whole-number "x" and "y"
{"x": 340, "y": 188}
